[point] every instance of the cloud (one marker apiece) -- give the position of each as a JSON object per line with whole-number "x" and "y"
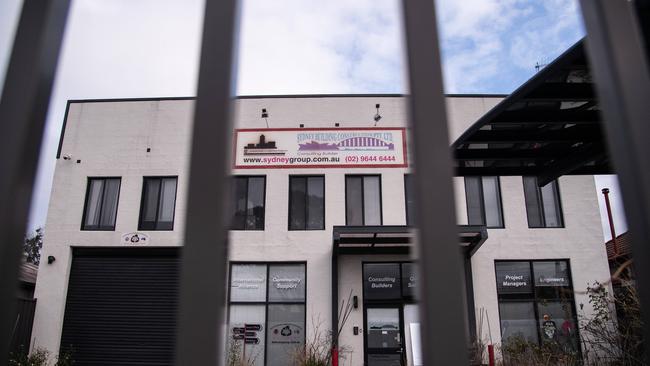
{"x": 122, "y": 48}
{"x": 303, "y": 47}
{"x": 493, "y": 45}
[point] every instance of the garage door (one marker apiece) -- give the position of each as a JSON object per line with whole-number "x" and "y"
{"x": 121, "y": 306}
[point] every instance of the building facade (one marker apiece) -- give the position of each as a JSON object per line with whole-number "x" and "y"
{"x": 320, "y": 223}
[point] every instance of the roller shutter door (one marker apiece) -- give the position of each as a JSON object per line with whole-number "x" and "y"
{"x": 121, "y": 306}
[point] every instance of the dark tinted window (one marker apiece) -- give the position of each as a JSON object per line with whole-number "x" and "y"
{"x": 249, "y": 195}
{"x": 542, "y": 204}
{"x": 306, "y": 203}
{"x": 363, "y": 200}
{"x": 101, "y": 204}
{"x": 483, "y": 196}
{"x": 536, "y": 302}
{"x": 158, "y": 203}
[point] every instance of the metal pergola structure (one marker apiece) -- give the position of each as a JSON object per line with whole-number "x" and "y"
{"x": 399, "y": 240}
{"x": 617, "y": 49}
{"x": 548, "y": 127}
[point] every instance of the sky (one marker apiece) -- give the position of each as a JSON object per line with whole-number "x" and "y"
{"x": 150, "y": 48}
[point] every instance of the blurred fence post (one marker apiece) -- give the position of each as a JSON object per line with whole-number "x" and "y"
{"x": 442, "y": 309}
{"x": 619, "y": 62}
{"x": 205, "y": 252}
{"x": 23, "y": 111}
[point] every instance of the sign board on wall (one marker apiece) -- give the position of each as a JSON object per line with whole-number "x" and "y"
{"x": 291, "y": 148}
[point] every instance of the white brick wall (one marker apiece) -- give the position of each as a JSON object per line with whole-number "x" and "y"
{"x": 111, "y": 138}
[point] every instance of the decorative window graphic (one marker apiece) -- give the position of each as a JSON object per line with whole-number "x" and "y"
{"x": 266, "y": 312}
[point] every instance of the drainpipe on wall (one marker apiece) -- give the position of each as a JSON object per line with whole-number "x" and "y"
{"x": 611, "y": 220}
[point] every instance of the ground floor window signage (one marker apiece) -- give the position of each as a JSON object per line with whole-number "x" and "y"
{"x": 536, "y": 302}
{"x": 409, "y": 280}
{"x": 266, "y": 313}
{"x": 381, "y": 281}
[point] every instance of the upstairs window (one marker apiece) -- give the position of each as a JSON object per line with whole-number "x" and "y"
{"x": 483, "y": 196}
{"x": 542, "y": 204}
{"x": 158, "y": 203}
{"x": 249, "y": 197}
{"x": 100, "y": 211}
{"x": 363, "y": 200}
{"x": 306, "y": 203}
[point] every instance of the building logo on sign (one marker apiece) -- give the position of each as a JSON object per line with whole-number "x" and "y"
{"x": 367, "y": 141}
{"x": 262, "y": 147}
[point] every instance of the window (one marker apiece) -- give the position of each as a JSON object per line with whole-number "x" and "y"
{"x": 306, "y": 203}
{"x": 158, "y": 203}
{"x": 483, "y": 196}
{"x": 536, "y": 302}
{"x": 249, "y": 197}
{"x": 101, "y": 204}
{"x": 267, "y": 312}
{"x": 363, "y": 200}
{"x": 542, "y": 204}
{"x": 409, "y": 199}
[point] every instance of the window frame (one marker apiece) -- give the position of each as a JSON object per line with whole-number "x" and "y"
{"x": 363, "y": 199}
{"x": 482, "y": 195}
{"x": 84, "y": 227}
{"x": 266, "y": 303}
{"x": 534, "y": 298}
{"x": 541, "y": 211}
{"x": 306, "y": 177}
{"x": 142, "y": 203}
{"x": 233, "y": 177}
{"x": 408, "y": 176}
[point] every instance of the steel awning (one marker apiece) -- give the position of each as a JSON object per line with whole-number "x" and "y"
{"x": 548, "y": 127}
{"x": 396, "y": 239}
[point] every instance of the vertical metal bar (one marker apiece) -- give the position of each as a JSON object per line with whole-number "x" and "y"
{"x": 440, "y": 266}
{"x": 619, "y": 63}
{"x": 23, "y": 109}
{"x": 205, "y": 254}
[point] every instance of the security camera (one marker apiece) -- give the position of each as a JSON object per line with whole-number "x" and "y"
{"x": 377, "y": 117}
{"x": 67, "y": 157}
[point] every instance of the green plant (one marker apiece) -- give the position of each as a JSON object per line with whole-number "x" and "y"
{"x": 317, "y": 349}
{"x": 235, "y": 356}
{"x": 609, "y": 339}
{"x": 517, "y": 350}
{"x": 37, "y": 358}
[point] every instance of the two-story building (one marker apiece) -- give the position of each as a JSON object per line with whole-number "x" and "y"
{"x": 321, "y": 213}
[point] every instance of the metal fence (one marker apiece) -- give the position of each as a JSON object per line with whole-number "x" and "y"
{"x": 617, "y": 51}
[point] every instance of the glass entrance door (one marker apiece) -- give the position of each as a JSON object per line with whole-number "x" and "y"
{"x": 384, "y": 336}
